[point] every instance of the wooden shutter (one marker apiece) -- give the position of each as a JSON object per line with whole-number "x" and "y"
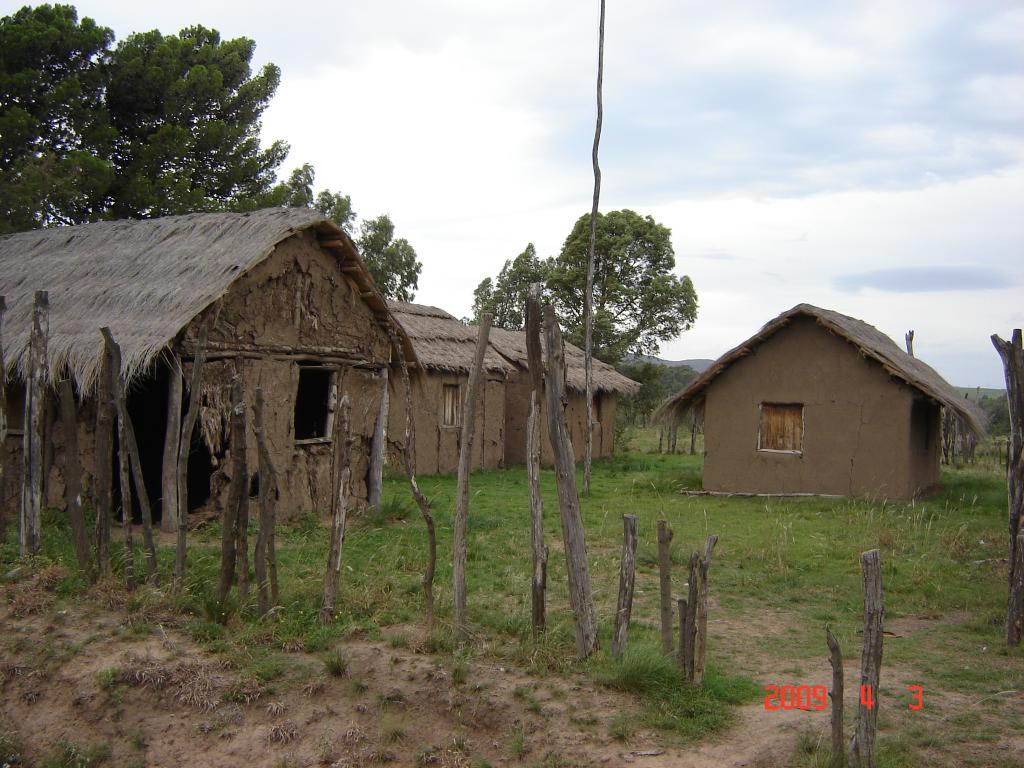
{"x": 450, "y": 405}
{"x": 782, "y": 427}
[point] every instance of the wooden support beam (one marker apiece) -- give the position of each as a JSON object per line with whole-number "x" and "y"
{"x": 627, "y": 579}
{"x": 195, "y": 397}
{"x": 665, "y": 584}
{"x": 172, "y": 434}
{"x": 113, "y": 352}
{"x": 265, "y": 561}
{"x": 342, "y": 482}
{"x": 535, "y": 366}
{"x": 72, "y": 471}
{"x": 104, "y": 447}
{"x": 378, "y": 444}
{"x": 3, "y": 416}
{"x": 862, "y": 745}
{"x": 35, "y": 407}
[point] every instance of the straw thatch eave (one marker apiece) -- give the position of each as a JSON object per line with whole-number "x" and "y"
{"x": 869, "y": 342}
{"x": 147, "y": 280}
{"x": 442, "y": 342}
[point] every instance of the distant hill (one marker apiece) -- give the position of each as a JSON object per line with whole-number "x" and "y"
{"x": 698, "y": 364}
{"x": 972, "y": 393}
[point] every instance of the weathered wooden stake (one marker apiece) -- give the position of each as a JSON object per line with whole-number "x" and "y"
{"x": 627, "y": 579}
{"x": 113, "y": 354}
{"x": 836, "y": 660}
{"x": 238, "y": 494}
{"x": 910, "y": 343}
{"x": 378, "y": 445}
{"x": 195, "y": 398}
{"x": 462, "y": 490}
{"x": 124, "y": 423}
{"x": 701, "y": 632}
{"x": 665, "y": 584}
{"x": 1012, "y": 355}
{"x": 72, "y": 472}
{"x": 3, "y": 416}
{"x": 684, "y": 614}
{"x": 535, "y": 365}
{"x": 862, "y": 745}
{"x": 267, "y": 494}
{"x": 172, "y": 434}
{"x": 580, "y": 598}
{"x": 409, "y": 459}
{"x": 35, "y": 406}
{"x": 342, "y": 481}
{"x": 687, "y": 640}
{"x": 104, "y": 462}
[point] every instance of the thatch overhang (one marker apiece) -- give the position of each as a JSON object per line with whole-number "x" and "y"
{"x": 512, "y": 346}
{"x": 147, "y": 280}
{"x": 443, "y": 342}
{"x": 869, "y": 342}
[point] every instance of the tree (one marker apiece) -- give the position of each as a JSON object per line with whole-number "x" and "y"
{"x": 638, "y": 302}
{"x": 51, "y": 117}
{"x": 157, "y": 125}
{"x": 392, "y": 263}
{"x": 505, "y": 297}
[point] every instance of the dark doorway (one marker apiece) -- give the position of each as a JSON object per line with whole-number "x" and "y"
{"x": 312, "y": 402}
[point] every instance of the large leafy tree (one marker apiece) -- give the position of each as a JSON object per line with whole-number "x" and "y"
{"x": 52, "y": 118}
{"x": 505, "y": 297}
{"x": 392, "y": 261}
{"x": 638, "y": 301}
{"x": 156, "y": 125}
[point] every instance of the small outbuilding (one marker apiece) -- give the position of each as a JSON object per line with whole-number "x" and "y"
{"x": 287, "y": 303}
{"x": 821, "y": 403}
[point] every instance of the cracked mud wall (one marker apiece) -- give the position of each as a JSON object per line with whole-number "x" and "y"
{"x": 857, "y": 440}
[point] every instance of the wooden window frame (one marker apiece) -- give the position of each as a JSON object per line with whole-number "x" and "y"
{"x": 332, "y": 400}
{"x": 445, "y": 388}
{"x": 760, "y": 424}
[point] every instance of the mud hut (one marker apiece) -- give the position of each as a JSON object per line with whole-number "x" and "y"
{"x": 445, "y": 347}
{"x": 609, "y": 384}
{"x": 286, "y": 301}
{"x": 820, "y": 403}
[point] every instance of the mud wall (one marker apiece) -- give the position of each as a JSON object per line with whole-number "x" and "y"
{"x": 437, "y": 446}
{"x": 856, "y": 438}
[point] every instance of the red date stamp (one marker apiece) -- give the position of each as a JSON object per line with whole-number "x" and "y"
{"x": 786, "y": 697}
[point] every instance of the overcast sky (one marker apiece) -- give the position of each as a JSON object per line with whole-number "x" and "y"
{"x": 865, "y": 157}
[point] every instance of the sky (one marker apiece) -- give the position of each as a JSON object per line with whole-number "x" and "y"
{"x": 865, "y": 157}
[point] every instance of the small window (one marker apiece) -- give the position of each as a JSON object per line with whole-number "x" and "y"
{"x": 596, "y": 408}
{"x": 782, "y": 427}
{"x": 313, "y": 407}
{"x": 451, "y": 407}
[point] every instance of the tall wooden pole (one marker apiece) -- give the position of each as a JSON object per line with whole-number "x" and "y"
{"x": 73, "y": 474}
{"x": 240, "y": 443}
{"x": 700, "y": 641}
{"x": 172, "y": 434}
{"x": 265, "y": 562}
{"x": 909, "y": 338}
{"x": 409, "y": 460}
{"x": 862, "y": 746}
{"x": 535, "y": 366}
{"x": 239, "y": 489}
{"x": 580, "y": 598}
{"x": 665, "y": 584}
{"x": 836, "y": 660}
{"x": 113, "y": 354}
{"x": 195, "y": 398}
{"x": 35, "y": 407}
{"x": 124, "y": 424}
{"x": 3, "y": 416}
{"x": 627, "y": 580}
{"x": 342, "y": 482}
{"x": 465, "y": 466}
{"x": 378, "y": 445}
{"x": 588, "y": 296}
{"x": 104, "y": 442}
{"x": 1012, "y": 355}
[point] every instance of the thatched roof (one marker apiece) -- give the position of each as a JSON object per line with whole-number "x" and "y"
{"x": 146, "y": 280}
{"x": 869, "y": 341}
{"x": 512, "y": 345}
{"x": 443, "y": 342}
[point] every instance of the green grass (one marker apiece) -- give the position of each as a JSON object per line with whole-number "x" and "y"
{"x": 782, "y": 570}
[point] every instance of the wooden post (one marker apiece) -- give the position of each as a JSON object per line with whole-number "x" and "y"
{"x": 378, "y": 445}
{"x": 701, "y": 631}
{"x": 195, "y": 397}
{"x": 535, "y": 366}
{"x": 72, "y": 473}
{"x": 239, "y": 443}
{"x": 172, "y": 434}
{"x": 910, "y": 343}
{"x": 862, "y": 746}
{"x": 684, "y": 632}
{"x": 3, "y": 416}
{"x": 1012, "y": 355}
{"x": 687, "y": 640}
{"x": 836, "y": 660}
{"x": 665, "y": 584}
{"x": 104, "y": 462}
{"x": 124, "y": 423}
{"x": 465, "y": 467}
{"x": 35, "y": 406}
{"x": 342, "y": 480}
{"x": 267, "y": 492}
{"x": 409, "y": 460}
{"x": 580, "y": 598}
{"x": 113, "y": 354}
{"x": 229, "y": 515}
{"x": 627, "y": 578}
